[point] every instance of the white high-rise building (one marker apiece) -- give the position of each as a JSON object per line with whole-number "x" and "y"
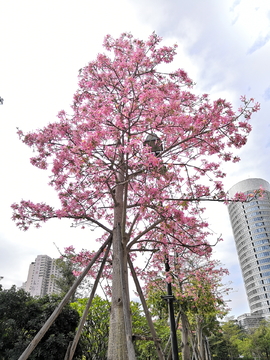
{"x": 40, "y": 280}
{"x": 251, "y": 228}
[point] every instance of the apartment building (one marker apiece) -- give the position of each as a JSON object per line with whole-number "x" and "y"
{"x": 41, "y": 277}
{"x": 251, "y": 228}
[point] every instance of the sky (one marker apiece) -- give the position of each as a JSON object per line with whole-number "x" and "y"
{"x": 223, "y": 45}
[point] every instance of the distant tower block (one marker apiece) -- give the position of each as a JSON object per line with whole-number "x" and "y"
{"x": 41, "y": 277}
{"x": 251, "y": 228}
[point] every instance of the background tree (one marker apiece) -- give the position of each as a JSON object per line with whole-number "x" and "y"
{"x": 245, "y": 346}
{"x": 231, "y": 333}
{"x": 197, "y": 284}
{"x": 202, "y": 301}
{"x": 218, "y": 345}
{"x": 259, "y": 343}
{"x": 136, "y": 154}
{"x": 67, "y": 277}
{"x": 95, "y": 335}
{"x": 67, "y": 270}
{"x": 143, "y": 342}
{"x": 231, "y": 341}
{"x": 21, "y": 316}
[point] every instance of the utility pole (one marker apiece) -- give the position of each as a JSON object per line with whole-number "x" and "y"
{"x": 170, "y": 299}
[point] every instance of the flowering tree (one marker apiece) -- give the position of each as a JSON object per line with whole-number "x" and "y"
{"x": 203, "y": 302}
{"x": 198, "y": 290}
{"x": 133, "y": 156}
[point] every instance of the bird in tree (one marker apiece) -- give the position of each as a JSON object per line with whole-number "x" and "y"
{"x": 137, "y": 155}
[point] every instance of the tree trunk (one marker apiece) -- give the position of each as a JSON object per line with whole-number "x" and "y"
{"x": 200, "y": 339}
{"x": 125, "y": 297}
{"x": 117, "y": 347}
{"x": 184, "y": 335}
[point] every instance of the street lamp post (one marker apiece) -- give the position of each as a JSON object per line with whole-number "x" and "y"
{"x": 155, "y": 143}
{"x": 170, "y": 299}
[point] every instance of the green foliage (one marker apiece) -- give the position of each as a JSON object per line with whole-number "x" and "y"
{"x": 159, "y": 311}
{"x": 200, "y": 306}
{"x": 145, "y": 349}
{"x": 95, "y": 335}
{"x": 67, "y": 278}
{"x": 231, "y": 334}
{"x": 260, "y": 341}
{"x": 232, "y": 342}
{"x": 224, "y": 343}
{"x": 66, "y": 268}
{"x": 245, "y": 347}
{"x": 218, "y": 346}
{"x": 22, "y": 316}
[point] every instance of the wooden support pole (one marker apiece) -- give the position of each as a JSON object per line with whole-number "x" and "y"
{"x": 127, "y": 320}
{"x": 196, "y": 353}
{"x": 146, "y": 311}
{"x": 86, "y": 310}
{"x": 167, "y": 345}
{"x": 68, "y": 351}
{"x": 142, "y": 337}
{"x": 207, "y": 348}
{"x": 59, "y": 308}
{"x": 169, "y": 357}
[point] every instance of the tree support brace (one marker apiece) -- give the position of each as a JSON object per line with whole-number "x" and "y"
{"x": 146, "y": 311}
{"x": 71, "y": 350}
{"x": 59, "y": 308}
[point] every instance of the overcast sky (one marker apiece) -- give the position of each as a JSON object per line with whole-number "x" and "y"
{"x": 223, "y": 45}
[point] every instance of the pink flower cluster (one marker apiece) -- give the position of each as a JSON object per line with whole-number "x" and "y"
{"x": 100, "y": 160}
